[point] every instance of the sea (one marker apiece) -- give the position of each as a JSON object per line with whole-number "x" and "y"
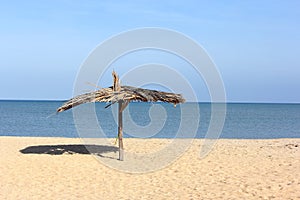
{"x": 242, "y": 120}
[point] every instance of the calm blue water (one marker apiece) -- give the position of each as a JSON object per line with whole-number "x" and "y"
{"x": 31, "y": 118}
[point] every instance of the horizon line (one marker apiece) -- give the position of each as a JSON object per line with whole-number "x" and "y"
{"x": 227, "y": 102}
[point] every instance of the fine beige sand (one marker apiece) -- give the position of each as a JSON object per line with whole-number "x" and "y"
{"x": 60, "y": 168}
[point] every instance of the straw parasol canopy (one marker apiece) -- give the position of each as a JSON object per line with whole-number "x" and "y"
{"x": 121, "y": 95}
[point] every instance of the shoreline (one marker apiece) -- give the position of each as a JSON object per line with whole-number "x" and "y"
{"x": 283, "y": 138}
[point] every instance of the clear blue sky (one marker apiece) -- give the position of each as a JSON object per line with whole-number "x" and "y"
{"x": 255, "y": 44}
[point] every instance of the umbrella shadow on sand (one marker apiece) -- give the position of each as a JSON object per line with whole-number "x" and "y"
{"x": 69, "y": 149}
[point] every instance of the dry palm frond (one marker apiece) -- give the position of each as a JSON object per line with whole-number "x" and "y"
{"x": 126, "y": 93}
{"x": 118, "y": 93}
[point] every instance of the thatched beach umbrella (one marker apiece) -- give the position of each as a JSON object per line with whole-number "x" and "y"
{"x": 121, "y": 95}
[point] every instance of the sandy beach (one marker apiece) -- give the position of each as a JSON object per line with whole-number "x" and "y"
{"x": 61, "y": 168}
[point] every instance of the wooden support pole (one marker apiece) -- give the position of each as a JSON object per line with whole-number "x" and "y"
{"x": 120, "y": 132}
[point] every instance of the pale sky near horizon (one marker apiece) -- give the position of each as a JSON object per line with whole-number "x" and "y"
{"x": 255, "y": 44}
